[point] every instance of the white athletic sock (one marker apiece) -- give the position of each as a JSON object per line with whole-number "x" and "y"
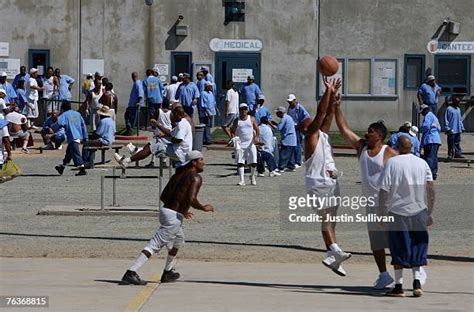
{"x": 25, "y": 141}
{"x": 139, "y": 262}
{"x": 416, "y": 273}
{"x": 169, "y": 262}
{"x": 252, "y": 171}
{"x": 399, "y": 276}
{"x": 334, "y": 247}
{"x": 127, "y": 160}
{"x": 28, "y": 123}
{"x": 241, "y": 171}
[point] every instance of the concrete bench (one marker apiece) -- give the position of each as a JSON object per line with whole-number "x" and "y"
{"x": 102, "y": 149}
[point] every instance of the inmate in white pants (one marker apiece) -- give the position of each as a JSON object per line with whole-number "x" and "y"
{"x": 169, "y": 234}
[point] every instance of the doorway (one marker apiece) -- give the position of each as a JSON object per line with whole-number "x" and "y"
{"x": 236, "y": 67}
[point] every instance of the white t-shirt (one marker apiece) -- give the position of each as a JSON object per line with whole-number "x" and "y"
{"x": 182, "y": 131}
{"x": 32, "y": 93}
{"x": 164, "y": 119}
{"x": 3, "y": 133}
{"x": 233, "y": 97}
{"x": 405, "y": 177}
{"x": 48, "y": 85}
{"x": 170, "y": 91}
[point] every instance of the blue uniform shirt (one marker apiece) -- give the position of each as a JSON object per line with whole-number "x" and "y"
{"x": 201, "y": 84}
{"x": 48, "y": 124}
{"x": 25, "y": 78}
{"x": 154, "y": 89}
{"x": 262, "y": 111}
{"x": 250, "y": 93}
{"x": 136, "y": 94}
{"x": 73, "y": 125}
{"x": 186, "y": 93}
{"x": 64, "y": 82}
{"x": 207, "y": 101}
{"x": 287, "y": 129}
{"x": 22, "y": 99}
{"x": 428, "y": 94}
{"x": 210, "y": 78}
{"x": 106, "y": 131}
{"x": 453, "y": 120}
{"x": 299, "y": 113}
{"x": 415, "y": 143}
{"x": 430, "y": 129}
{"x": 11, "y": 94}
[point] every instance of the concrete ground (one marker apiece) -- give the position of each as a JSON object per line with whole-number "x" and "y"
{"x": 92, "y": 285}
{"x": 247, "y": 260}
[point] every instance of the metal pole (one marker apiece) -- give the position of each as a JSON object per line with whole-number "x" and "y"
{"x": 114, "y": 197}
{"x": 101, "y": 192}
{"x": 160, "y": 182}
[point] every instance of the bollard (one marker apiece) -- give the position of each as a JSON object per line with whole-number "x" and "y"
{"x": 101, "y": 192}
{"x": 114, "y": 180}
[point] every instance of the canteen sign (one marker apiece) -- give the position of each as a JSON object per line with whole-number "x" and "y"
{"x": 235, "y": 45}
{"x": 454, "y": 47}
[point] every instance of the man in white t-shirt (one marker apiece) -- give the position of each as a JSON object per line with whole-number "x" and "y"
{"x": 231, "y": 108}
{"x": 180, "y": 140}
{"x": 404, "y": 184}
{"x": 5, "y": 147}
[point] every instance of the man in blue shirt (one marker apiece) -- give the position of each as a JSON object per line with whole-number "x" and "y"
{"x": 207, "y": 75}
{"x": 298, "y": 113}
{"x": 288, "y": 140}
{"x": 265, "y": 149}
{"x": 5, "y": 85}
{"x": 103, "y": 136}
{"x": 65, "y": 84}
{"x": 453, "y": 128}
{"x": 431, "y": 139}
{"x": 188, "y": 95}
{"x": 201, "y": 82}
{"x": 428, "y": 93}
{"x": 207, "y": 111}
{"x": 76, "y": 132}
{"x": 262, "y": 111}
{"x": 135, "y": 101}
{"x": 23, "y": 75}
{"x": 410, "y": 132}
{"x": 250, "y": 92}
{"x": 49, "y": 135}
{"x": 154, "y": 92}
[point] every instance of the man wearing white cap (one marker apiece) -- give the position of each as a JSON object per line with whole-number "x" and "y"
{"x": 9, "y": 90}
{"x": 207, "y": 111}
{"x": 249, "y": 93}
{"x": 178, "y": 196}
{"x": 428, "y": 93}
{"x": 32, "y": 110}
{"x": 231, "y": 107}
{"x": 261, "y": 110}
{"x": 18, "y": 130}
{"x": 409, "y": 131}
{"x": 298, "y": 113}
{"x": 170, "y": 90}
{"x": 188, "y": 94}
{"x": 246, "y": 132}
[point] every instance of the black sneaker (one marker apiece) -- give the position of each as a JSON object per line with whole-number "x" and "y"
{"x": 82, "y": 172}
{"x": 397, "y": 291}
{"x": 169, "y": 276}
{"x": 59, "y": 169}
{"x": 459, "y": 156}
{"x": 417, "y": 291}
{"x": 132, "y": 278}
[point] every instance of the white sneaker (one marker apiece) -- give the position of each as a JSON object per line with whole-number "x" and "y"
{"x": 340, "y": 255}
{"x": 288, "y": 170}
{"x": 274, "y": 174}
{"x": 132, "y": 149}
{"x": 253, "y": 181}
{"x": 25, "y": 150}
{"x": 60, "y": 147}
{"x": 121, "y": 160}
{"x": 260, "y": 175}
{"x": 297, "y": 166}
{"x": 423, "y": 276}
{"x": 241, "y": 183}
{"x": 383, "y": 280}
{"x": 331, "y": 263}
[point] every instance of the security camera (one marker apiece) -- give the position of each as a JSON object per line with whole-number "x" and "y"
{"x": 180, "y": 17}
{"x": 446, "y": 21}
{"x": 149, "y": 2}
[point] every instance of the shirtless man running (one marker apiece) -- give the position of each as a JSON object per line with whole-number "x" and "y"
{"x": 179, "y": 194}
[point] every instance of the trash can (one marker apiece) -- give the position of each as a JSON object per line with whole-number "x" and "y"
{"x": 198, "y": 137}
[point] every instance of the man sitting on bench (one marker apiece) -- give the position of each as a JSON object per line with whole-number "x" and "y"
{"x": 104, "y": 135}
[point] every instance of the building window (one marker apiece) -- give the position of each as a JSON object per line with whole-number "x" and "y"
{"x": 358, "y": 77}
{"x": 414, "y": 71}
{"x": 181, "y": 62}
{"x": 453, "y": 73}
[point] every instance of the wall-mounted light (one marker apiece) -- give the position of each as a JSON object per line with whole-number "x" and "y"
{"x": 149, "y": 2}
{"x": 454, "y": 28}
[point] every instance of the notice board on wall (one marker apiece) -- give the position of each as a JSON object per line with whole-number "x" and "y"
{"x": 384, "y": 79}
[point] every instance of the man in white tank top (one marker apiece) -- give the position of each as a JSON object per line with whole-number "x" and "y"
{"x": 246, "y": 129}
{"x": 321, "y": 173}
{"x": 373, "y": 154}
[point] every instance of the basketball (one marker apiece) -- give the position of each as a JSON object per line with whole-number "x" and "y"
{"x": 328, "y": 65}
